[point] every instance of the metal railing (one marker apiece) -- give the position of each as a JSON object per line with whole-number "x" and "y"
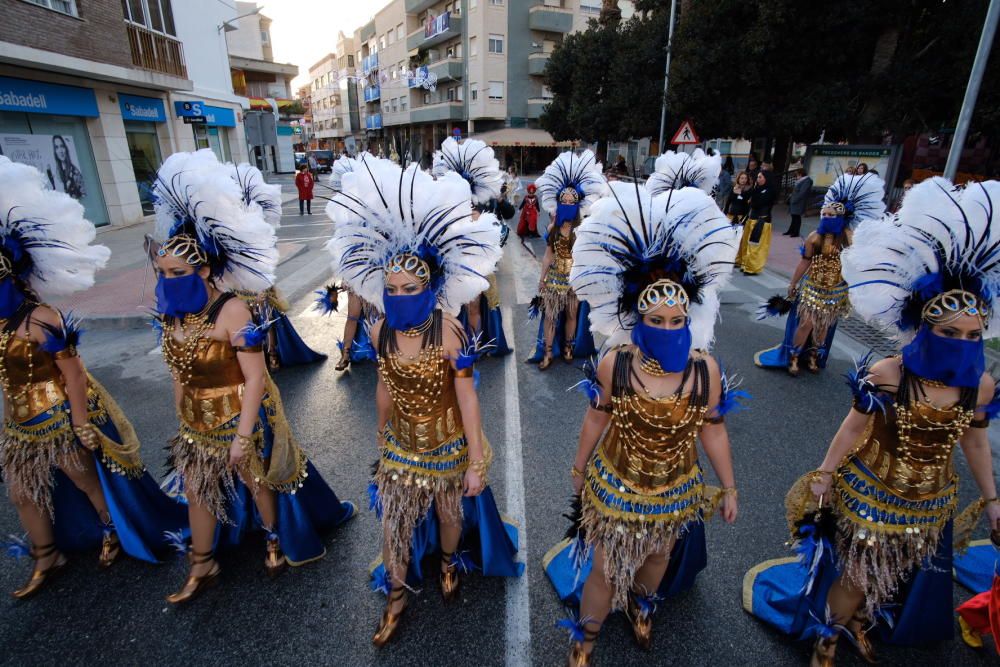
{"x": 156, "y": 52}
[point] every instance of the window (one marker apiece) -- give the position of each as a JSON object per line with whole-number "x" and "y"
{"x": 382, "y": 43}
{"x": 546, "y": 93}
{"x": 496, "y": 3}
{"x": 64, "y": 6}
{"x": 473, "y": 47}
{"x": 395, "y": 105}
{"x": 427, "y": 98}
{"x": 155, "y": 15}
{"x": 263, "y": 37}
{"x": 473, "y": 4}
{"x": 473, "y": 92}
{"x": 402, "y": 103}
{"x": 496, "y": 90}
{"x": 496, "y": 43}
{"x": 451, "y": 94}
{"x": 399, "y": 32}
{"x": 350, "y": 61}
{"x": 388, "y": 37}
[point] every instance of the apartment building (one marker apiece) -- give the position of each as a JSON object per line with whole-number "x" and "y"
{"x": 333, "y": 91}
{"x": 95, "y": 93}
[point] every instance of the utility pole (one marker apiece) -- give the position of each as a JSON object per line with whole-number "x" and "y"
{"x": 972, "y": 90}
{"x": 666, "y": 74}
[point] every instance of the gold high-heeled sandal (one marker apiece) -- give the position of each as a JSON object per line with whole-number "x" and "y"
{"x": 642, "y": 624}
{"x": 449, "y": 577}
{"x": 196, "y": 585}
{"x": 578, "y": 655}
{"x": 274, "y": 561}
{"x": 812, "y": 363}
{"x": 110, "y": 548}
{"x": 861, "y": 641}
{"x": 793, "y": 365}
{"x": 389, "y": 622}
{"x": 824, "y": 652}
{"x": 39, "y": 577}
{"x": 546, "y": 359}
{"x": 567, "y": 354}
{"x": 344, "y": 363}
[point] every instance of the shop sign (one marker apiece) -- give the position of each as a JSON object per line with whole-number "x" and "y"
{"x": 40, "y": 97}
{"x": 135, "y": 107}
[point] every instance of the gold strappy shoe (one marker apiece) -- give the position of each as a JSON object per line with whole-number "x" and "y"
{"x": 275, "y": 561}
{"x": 793, "y": 365}
{"x": 862, "y": 642}
{"x": 546, "y": 359}
{"x": 449, "y": 578}
{"x": 40, "y": 577}
{"x": 642, "y": 624}
{"x": 812, "y": 363}
{"x": 567, "y": 354}
{"x": 110, "y": 548}
{"x": 389, "y": 622}
{"x": 824, "y": 653}
{"x": 196, "y": 585}
{"x": 578, "y": 655}
{"x": 344, "y": 363}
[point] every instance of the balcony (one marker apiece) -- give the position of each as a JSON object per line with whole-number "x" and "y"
{"x": 417, "y": 6}
{"x": 536, "y": 105}
{"x": 369, "y": 63}
{"x": 446, "y": 26}
{"x": 367, "y": 31}
{"x": 537, "y": 63}
{"x": 373, "y": 122}
{"x": 550, "y": 19}
{"x": 442, "y": 111}
{"x": 373, "y": 93}
{"x": 155, "y": 52}
{"x": 449, "y": 69}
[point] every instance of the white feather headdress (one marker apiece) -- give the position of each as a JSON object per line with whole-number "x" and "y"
{"x": 674, "y": 171}
{"x": 473, "y": 160}
{"x": 631, "y": 239}
{"x": 384, "y": 211}
{"x": 344, "y": 165}
{"x": 862, "y": 197}
{"x": 195, "y": 194}
{"x": 44, "y": 234}
{"x": 943, "y": 239}
{"x": 581, "y": 172}
{"x": 256, "y": 191}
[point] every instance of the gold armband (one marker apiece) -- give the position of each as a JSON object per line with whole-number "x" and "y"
{"x": 249, "y": 348}
{"x": 88, "y": 436}
{"x": 465, "y": 372}
{"x": 575, "y": 472}
{"x": 480, "y": 467}
{"x": 68, "y": 352}
{"x": 245, "y": 443}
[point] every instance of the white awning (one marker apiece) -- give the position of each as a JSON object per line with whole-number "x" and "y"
{"x": 521, "y": 137}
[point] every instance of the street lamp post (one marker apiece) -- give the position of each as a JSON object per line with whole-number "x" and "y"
{"x": 972, "y": 90}
{"x": 666, "y": 73}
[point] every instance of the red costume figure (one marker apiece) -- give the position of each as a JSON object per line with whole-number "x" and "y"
{"x": 304, "y": 182}
{"x": 528, "y": 223}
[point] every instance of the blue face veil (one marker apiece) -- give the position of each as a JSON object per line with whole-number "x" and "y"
{"x": 176, "y": 297}
{"x": 407, "y": 311}
{"x": 11, "y": 297}
{"x": 955, "y": 362}
{"x": 670, "y": 347}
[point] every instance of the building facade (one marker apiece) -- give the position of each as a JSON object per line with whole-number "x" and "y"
{"x": 98, "y": 108}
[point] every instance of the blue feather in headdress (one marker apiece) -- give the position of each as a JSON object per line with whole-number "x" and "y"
{"x": 326, "y": 301}
{"x": 59, "y": 338}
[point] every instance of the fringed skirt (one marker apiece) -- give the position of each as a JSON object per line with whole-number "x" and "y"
{"x": 556, "y": 293}
{"x": 630, "y": 526}
{"x": 408, "y": 489}
{"x": 897, "y": 551}
{"x": 306, "y": 505}
{"x": 823, "y": 306}
{"x": 32, "y": 451}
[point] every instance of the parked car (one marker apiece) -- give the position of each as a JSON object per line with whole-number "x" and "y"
{"x": 300, "y": 159}
{"x": 324, "y": 161}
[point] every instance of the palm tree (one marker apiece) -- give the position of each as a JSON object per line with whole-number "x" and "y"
{"x": 611, "y": 13}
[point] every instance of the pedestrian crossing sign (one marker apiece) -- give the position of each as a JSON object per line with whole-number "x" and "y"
{"x": 685, "y": 134}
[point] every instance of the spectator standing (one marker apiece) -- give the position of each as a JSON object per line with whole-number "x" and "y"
{"x": 304, "y": 182}
{"x": 725, "y": 184}
{"x": 757, "y": 229}
{"x": 738, "y": 203}
{"x": 313, "y": 165}
{"x": 798, "y": 200}
{"x": 753, "y": 168}
{"x": 620, "y": 167}
{"x": 861, "y": 169}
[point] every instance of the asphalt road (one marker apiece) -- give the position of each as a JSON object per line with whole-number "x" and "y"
{"x": 324, "y": 613}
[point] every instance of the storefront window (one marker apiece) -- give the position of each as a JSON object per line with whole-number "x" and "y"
{"x": 144, "y": 149}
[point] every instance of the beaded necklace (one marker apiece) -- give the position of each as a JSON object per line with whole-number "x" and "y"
{"x": 193, "y": 326}
{"x": 5, "y": 338}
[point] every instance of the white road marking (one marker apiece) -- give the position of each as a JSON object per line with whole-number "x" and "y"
{"x": 518, "y": 627}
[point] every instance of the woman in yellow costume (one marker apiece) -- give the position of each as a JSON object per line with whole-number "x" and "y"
{"x": 873, "y": 524}
{"x": 409, "y": 243}
{"x": 69, "y": 457}
{"x": 234, "y": 457}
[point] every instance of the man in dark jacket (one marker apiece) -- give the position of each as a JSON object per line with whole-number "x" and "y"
{"x": 798, "y": 200}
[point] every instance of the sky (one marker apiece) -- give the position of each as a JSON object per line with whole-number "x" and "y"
{"x": 303, "y": 31}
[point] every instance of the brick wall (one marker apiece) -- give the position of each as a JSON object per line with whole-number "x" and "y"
{"x": 98, "y": 34}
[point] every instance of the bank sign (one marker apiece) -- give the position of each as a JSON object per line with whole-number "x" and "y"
{"x": 39, "y": 97}
{"x": 147, "y": 109}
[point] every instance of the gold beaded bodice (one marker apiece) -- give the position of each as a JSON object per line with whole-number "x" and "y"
{"x": 425, "y": 412}
{"x": 910, "y": 447}
{"x": 562, "y": 251}
{"x": 29, "y": 376}
{"x": 651, "y": 442}
{"x": 825, "y": 268}
{"x": 207, "y": 369}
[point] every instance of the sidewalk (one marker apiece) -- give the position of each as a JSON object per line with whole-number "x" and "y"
{"x": 785, "y": 253}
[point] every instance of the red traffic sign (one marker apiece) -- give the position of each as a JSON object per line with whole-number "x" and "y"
{"x": 685, "y": 134}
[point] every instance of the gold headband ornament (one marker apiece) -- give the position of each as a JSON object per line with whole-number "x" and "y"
{"x": 571, "y": 194}
{"x": 833, "y": 209}
{"x": 6, "y": 268}
{"x": 949, "y": 306}
{"x": 663, "y": 293}
{"x": 410, "y": 263}
{"x": 185, "y": 247}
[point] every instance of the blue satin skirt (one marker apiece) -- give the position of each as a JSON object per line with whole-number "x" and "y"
{"x": 974, "y": 569}
{"x": 489, "y": 542}
{"x": 921, "y": 612}
{"x": 291, "y": 349}
{"x": 777, "y": 357}
{"x": 492, "y": 323}
{"x": 583, "y": 343}
{"x": 140, "y": 512}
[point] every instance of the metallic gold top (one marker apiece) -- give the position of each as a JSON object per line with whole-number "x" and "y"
{"x": 425, "y": 413}
{"x": 562, "y": 255}
{"x": 31, "y": 380}
{"x": 651, "y": 443}
{"x": 211, "y": 380}
{"x": 824, "y": 269}
{"x": 911, "y": 452}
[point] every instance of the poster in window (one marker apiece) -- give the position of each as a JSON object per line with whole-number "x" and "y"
{"x": 52, "y": 154}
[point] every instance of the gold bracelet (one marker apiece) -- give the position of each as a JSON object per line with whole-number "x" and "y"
{"x": 730, "y": 491}
{"x": 816, "y": 476}
{"x": 88, "y": 435}
{"x": 245, "y": 443}
{"x": 480, "y": 468}
{"x": 575, "y": 472}
{"x": 994, "y": 499}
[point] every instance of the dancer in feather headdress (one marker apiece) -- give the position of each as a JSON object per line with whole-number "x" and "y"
{"x": 567, "y": 189}
{"x": 70, "y": 458}
{"x": 673, "y": 171}
{"x": 888, "y": 479}
{"x": 651, "y": 268}
{"x": 356, "y": 345}
{"x": 473, "y": 160}
{"x": 408, "y": 244}
{"x": 817, "y": 288}
{"x": 234, "y": 450}
{"x": 283, "y": 346}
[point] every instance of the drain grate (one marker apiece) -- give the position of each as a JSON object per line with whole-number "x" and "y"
{"x": 868, "y": 335}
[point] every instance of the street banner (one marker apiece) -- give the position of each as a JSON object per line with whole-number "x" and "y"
{"x": 53, "y": 155}
{"x": 825, "y": 162}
